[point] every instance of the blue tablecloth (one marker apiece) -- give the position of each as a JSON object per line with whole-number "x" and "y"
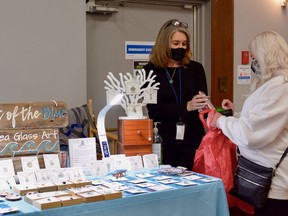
{"x": 205, "y": 199}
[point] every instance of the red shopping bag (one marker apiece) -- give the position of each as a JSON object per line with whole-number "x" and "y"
{"x": 216, "y": 156}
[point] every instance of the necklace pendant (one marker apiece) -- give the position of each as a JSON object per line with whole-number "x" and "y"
{"x": 171, "y": 81}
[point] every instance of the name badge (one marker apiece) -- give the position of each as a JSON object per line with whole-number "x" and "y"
{"x": 180, "y": 131}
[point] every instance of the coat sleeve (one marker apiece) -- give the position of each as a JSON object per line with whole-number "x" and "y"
{"x": 263, "y": 118}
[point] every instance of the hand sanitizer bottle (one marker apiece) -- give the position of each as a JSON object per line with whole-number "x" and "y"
{"x": 157, "y": 143}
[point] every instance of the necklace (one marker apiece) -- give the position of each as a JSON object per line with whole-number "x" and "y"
{"x": 170, "y": 78}
{"x": 29, "y": 161}
{"x": 27, "y": 177}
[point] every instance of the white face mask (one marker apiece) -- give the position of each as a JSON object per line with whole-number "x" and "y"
{"x": 255, "y": 67}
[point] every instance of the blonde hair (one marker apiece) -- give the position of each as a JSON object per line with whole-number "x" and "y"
{"x": 161, "y": 52}
{"x": 271, "y": 51}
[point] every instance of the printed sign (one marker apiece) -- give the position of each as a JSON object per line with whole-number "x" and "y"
{"x": 243, "y": 74}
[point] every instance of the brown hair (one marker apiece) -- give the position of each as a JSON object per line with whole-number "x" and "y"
{"x": 161, "y": 52}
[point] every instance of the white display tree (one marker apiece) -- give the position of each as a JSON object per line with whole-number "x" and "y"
{"x": 137, "y": 90}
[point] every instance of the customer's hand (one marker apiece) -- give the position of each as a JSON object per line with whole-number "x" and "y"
{"x": 198, "y": 102}
{"x": 227, "y": 104}
{"x": 212, "y": 118}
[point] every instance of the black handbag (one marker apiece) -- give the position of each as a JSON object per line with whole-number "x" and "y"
{"x": 252, "y": 181}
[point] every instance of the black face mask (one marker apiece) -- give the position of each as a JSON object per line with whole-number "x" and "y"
{"x": 255, "y": 67}
{"x": 178, "y": 53}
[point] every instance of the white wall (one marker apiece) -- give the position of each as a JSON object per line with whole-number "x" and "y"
{"x": 43, "y": 51}
{"x": 250, "y": 18}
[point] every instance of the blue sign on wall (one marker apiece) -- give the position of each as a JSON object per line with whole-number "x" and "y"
{"x": 138, "y": 50}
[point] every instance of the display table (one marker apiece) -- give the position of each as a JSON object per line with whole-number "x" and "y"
{"x": 206, "y": 198}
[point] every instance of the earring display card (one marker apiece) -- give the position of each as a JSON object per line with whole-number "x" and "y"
{"x": 136, "y": 162}
{"x": 30, "y": 163}
{"x": 6, "y": 168}
{"x": 150, "y": 161}
{"x": 150, "y": 97}
{"x": 6, "y": 183}
{"x": 134, "y": 110}
{"x": 99, "y": 168}
{"x": 132, "y": 87}
{"x": 60, "y": 175}
{"x": 120, "y": 161}
{"x": 76, "y": 174}
{"x": 109, "y": 164}
{"x": 43, "y": 175}
{"x": 27, "y": 178}
{"x": 51, "y": 161}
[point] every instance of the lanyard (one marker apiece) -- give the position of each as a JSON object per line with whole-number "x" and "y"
{"x": 179, "y": 101}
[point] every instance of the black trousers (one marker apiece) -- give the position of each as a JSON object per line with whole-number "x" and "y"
{"x": 273, "y": 207}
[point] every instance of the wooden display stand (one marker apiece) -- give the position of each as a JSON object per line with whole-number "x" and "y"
{"x": 135, "y": 136}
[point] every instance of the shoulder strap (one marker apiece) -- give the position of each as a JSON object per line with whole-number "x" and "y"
{"x": 283, "y": 156}
{"x": 281, "y": 159}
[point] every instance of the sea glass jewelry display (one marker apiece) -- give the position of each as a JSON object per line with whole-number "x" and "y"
{"x": 76, "y": 174}
{"x": 6, "y": 183}
{"x": 60, "y": 175}
{"x": 51, "y": 161}
{"x": 43, "y": 175}
{"x": 30, "y": 163}
{"x": 150, "y": 161}
{"x": 27, "y": 178}
{"x": 6, "y": 168}
{"x": 136, "y": 162}
{"x": 138, "y": 90}
{"x": 99, "y": 168}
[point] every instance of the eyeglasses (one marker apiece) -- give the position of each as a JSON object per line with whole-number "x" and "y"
{"x": 176, "y": 23}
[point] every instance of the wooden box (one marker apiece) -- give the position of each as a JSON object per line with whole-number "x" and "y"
{"x": 30, "y": 198}
{"x": 46, "y": 203}
{"x": 108, "y": 193}
{"x": 64, "y": 185}
{"x": 81, "y": 183}
{"x": 24, "y": 189}
{"x": 135, "y": 136}
{"x": 46, "y": 187}
{"x": 91, "y": 196}
{"x": 70, "y": 200}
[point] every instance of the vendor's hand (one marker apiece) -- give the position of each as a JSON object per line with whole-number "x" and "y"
{"x": 212, "y": 118}
{"x": 227, "y": 104}
{"x": 198, "y": 102}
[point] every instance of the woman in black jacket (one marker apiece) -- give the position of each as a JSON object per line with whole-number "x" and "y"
{"x": 178, "y": 98}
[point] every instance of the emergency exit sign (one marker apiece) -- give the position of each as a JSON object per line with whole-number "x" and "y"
{"x": 138, "y": 50}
